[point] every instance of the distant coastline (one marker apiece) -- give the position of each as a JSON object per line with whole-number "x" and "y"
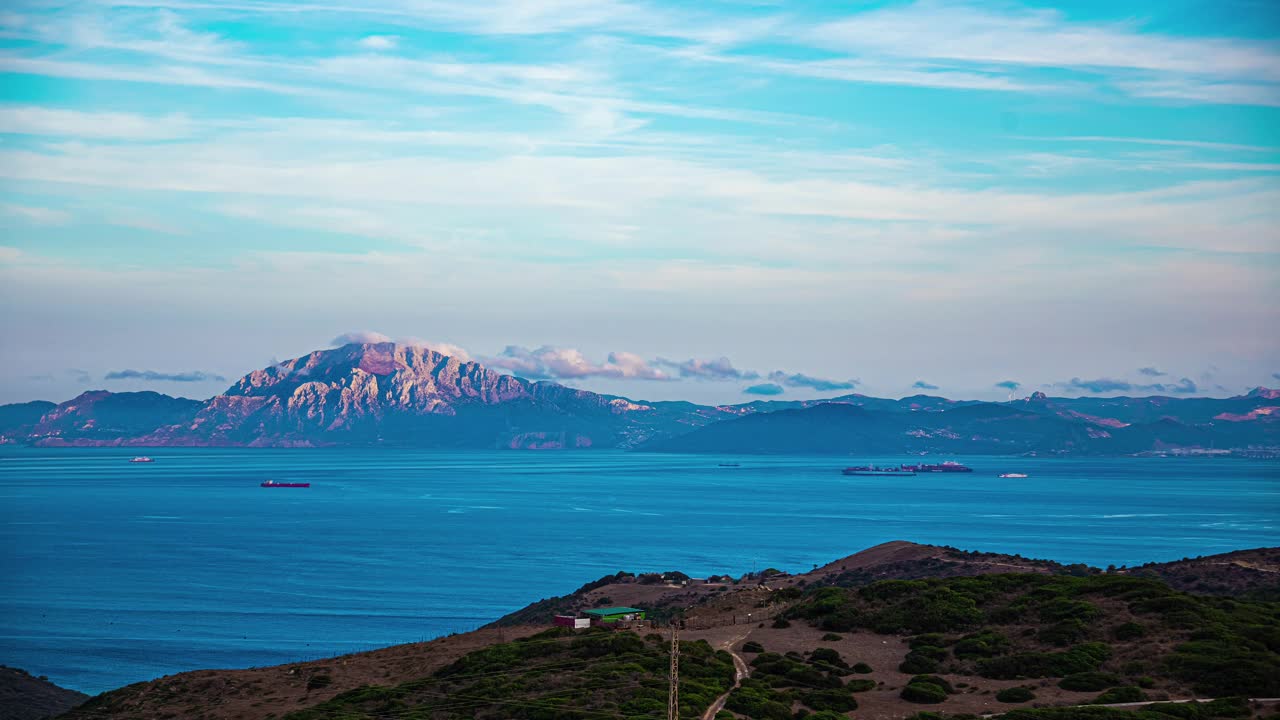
{"x": 389, "y": 395}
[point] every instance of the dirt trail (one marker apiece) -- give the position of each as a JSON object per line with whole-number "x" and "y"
{"x": 740, "y": 673}
{"x": 1144, "y": 703}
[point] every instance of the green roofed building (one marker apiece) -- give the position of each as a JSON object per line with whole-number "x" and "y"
{"x": 614, "y": 614}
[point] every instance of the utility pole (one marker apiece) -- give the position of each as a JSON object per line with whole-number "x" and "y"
{"x": 673, "y": 696}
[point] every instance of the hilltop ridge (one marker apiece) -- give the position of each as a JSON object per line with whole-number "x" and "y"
{"x": 785, "y": 612}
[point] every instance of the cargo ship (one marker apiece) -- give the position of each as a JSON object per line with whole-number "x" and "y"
{"x": 946, "y": 467}
{"x": 142, "y": 459}
{"x": 273, "y": 483}
{"x": 1013, "y": 475}
{"x": 873, "y": 471}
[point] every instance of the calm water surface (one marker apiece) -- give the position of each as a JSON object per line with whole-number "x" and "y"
{"x": 116, "y": 572}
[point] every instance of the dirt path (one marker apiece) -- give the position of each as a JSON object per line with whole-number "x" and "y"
{"x": 1144, "y": 703}
{"x": 740, "y": 673}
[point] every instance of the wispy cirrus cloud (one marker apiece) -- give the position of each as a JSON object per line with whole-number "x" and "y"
{"x": 36, "y": 215}
{"x": 191, "y": 376}
{"x": 1152, "y": 372}
{"x": 38, "y": 120}
{"x": 957, "y": 35}
{"x": 379, "y": 42}
{"x": 764, "y": 389}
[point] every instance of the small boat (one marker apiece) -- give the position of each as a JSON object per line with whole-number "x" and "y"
{"x": 142, "y": 459}
{"x": 273, "y": 483}
{"x": 873, "y": 471}
{"x": 729, "y": 465}
{"x": 1013, "y": 475}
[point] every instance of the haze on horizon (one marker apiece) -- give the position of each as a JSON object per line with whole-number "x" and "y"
{"x": 720, "y": 203}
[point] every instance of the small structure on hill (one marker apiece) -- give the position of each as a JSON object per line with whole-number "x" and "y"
{"x": 614, "y": 615}
{"x": 610, "y": 617}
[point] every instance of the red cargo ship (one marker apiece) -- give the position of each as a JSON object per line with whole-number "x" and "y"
{"x": 273, "y": 483}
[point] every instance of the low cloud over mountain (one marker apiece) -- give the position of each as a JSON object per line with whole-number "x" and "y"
{"x": 718, "y": 369}
{"x": 1152, "y": 372}
{"x": 359, "y": 337}
{"x": 547, "y": 362}
{"x": 922, "y": 385}
{"x": 1184, "y": 386}
{"x": 152, "y": 375}
{"x": 1010, "y": 385}
{"x": 550, "y": 362}
{"x": 808, "y": 381}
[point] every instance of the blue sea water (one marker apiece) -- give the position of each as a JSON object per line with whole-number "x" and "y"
{"x": 116, "y": 572}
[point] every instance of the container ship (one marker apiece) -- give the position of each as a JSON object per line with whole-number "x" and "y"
{"x": 873, "y": 471}
{"x": 142, "y": 459}
{"x": 273, "y": 483}
{"x": 946, "y": 467}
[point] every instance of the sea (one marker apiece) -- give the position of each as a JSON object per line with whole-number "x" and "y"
{"x": 114, "y": 572}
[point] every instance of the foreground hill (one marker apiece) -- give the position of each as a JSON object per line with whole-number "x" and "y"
{"x": 403, "y": 395}
{"x": 887, "y": 632}
{"x": 25, "y": 697}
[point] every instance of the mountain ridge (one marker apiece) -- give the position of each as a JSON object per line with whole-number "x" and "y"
{"x": 388, "y": 394}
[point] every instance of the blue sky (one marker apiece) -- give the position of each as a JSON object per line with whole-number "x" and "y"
{"x": 663, "y": 200}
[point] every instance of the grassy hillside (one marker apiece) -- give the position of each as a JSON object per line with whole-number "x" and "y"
{"x": 1118, "y": 639}
{"x": 554, "y": 674}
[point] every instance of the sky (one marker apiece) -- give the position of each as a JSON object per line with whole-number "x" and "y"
{"x": 717, "y": 201}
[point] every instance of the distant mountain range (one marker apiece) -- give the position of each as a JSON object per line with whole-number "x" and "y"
{"x": 402, "y": 395}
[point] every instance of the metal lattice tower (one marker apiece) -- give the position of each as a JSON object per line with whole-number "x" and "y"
{"x": 673, "y": 696}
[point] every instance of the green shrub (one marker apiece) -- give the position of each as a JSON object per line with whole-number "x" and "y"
{"x": 1091, "y": 681}
{"x": 827, "y": 655}
{"x": 1129, "y": 631}
{"x": 928, "y": 639}
{"x": 751, "y": 646}
{"x": 1124, "y": 694}
{"x": 933, "y": 680}
{"x": 1063, "y": 632}
{"x": 923, "y": 693}
{"x": 838, "y": 700}
{"x": 980, "y": 645}
{"x": 756, "y": 699}
{"x": 1062, "y": 608}
{"x": 1015, "y": 695}
{"x": 915, "y": 663}
{"x": 1145, "y": 682}
{"x": 860, "y": 685}
{"x": 1081, "y": 658}
{"x": 781, "y": 622}
{"x": 862, "y": 668}
{"x": 315, "y": 682}
{"x": 1227, "y": 668}
{"x": 826, "y": 715}
{"x": 931, "y": 652}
